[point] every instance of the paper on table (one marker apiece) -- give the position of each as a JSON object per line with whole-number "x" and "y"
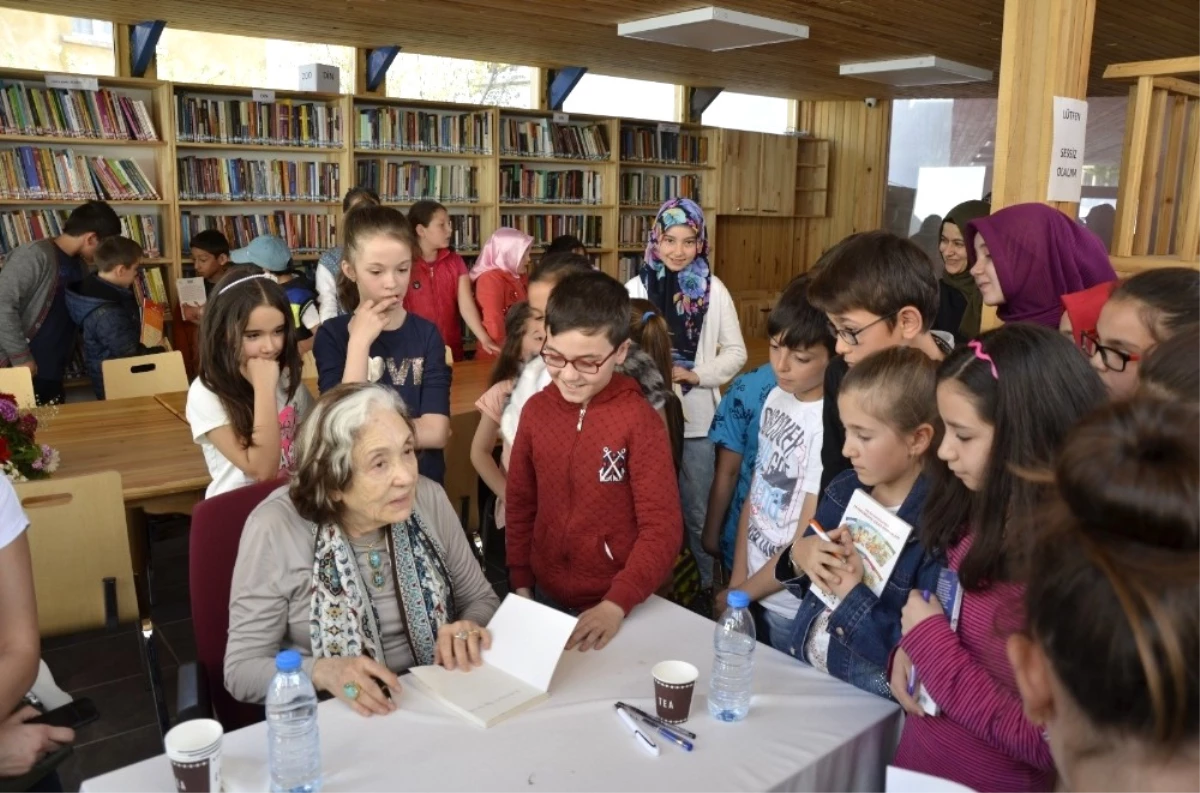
{"x": 528, "y": 639}
{"x": 901, "y": 780}
{"x": 191, "y": 291}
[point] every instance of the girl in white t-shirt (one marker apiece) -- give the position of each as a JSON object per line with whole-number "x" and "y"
{"x": 248, "y": 400}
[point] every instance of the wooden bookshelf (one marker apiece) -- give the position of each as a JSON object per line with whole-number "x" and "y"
{"x": 812, "y": 178}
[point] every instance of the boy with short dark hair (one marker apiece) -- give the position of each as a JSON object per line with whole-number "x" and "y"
{"x": 105, "y": 309}
{"x": 210, "y": 258}
{"x": 594, "y": 521}
{"x": 35, "y": 329}
{"x": 787, "y": 464}
{"x": 878, "y": 291}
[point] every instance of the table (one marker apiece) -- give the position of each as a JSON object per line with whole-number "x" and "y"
{"x": 805, "y": 731}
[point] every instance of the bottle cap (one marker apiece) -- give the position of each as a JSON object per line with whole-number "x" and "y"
{"x": 737, "y": 599}
{"x": 287, "y": 661}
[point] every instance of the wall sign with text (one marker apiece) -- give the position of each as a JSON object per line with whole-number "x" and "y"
{"x": 1066, "y": 157}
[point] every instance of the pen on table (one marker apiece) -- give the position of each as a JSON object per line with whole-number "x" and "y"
{"x": 640, "y": 737}
{"x": 912, "y": 670}
{"x": 657, "y": 722}
{"x": 681, "y": 742}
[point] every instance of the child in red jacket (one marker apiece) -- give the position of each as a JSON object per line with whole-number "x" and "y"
{"x": 594, "y": 522}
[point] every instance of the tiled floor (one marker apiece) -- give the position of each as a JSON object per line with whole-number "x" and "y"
{"x": 107, "y": 666}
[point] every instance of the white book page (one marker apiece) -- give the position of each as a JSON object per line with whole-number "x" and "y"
{"x": 879, "y": 537}
{"x": 485, "y": 694}
{"x": 191, "y": 291}
{"x": 527, "y": 640}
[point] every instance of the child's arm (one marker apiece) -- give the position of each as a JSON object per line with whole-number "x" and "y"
{"x": 368, "y": 322}
{"x": 763, "y": 583}
{"x": 482, "y": 447}
{"x": 729, "y": 465}
{"x": 260, "y": 460}
{"x": 968, "y": 694}
{"x": 470, "y": 315}
{"x": 520, "y": 510}
{"x": 433, "y": 424}
{"x": 741, "y": 567}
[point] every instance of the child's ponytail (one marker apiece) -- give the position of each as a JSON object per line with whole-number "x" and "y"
{"x": 508, "y": 363}
{"x": 650, "y": 330}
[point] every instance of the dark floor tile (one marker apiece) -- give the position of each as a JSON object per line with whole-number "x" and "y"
{"x": 180, "y": 640}
{"x": 123, "y": 705}
{"x": 101, "y": 661}
{"x": 50, "y": 643}
{"x": 109, "y": 755}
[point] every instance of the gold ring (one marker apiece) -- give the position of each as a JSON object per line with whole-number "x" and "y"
{"x": 464, "y": 635}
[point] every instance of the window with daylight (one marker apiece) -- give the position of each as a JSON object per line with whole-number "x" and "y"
{"x": 47, "y": 42}
{"x": 601, "y": 95}
{"x": 191, "y": 56}
{"x": 438, "y": 79}
{"x": 748, "y": 111}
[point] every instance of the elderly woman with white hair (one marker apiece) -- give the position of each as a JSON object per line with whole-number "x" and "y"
{"x": 360, "y": 564}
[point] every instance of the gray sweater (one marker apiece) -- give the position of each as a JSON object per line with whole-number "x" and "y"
{"x": 27, "y": 283}
{"x": 270, "y": 597}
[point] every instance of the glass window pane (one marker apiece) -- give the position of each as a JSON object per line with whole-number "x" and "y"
{"x": 747, "y": 111}
{"x": 190, "y": 56}
{"x": 29, "y": 40}
{"x": 437, "y": 79}
{"x": 601, "y": 95}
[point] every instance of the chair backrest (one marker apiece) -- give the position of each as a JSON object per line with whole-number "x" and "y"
{"x": 308, "y": 369}
{"x": 18, "y": 381}
{"x": 78, "y": 536}
{"x": 217, "y": 525}
{"x": 144, "y": 375}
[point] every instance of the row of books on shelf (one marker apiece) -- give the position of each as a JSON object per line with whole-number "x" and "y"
{"x": 415, "y": 130}
{"x": 465, "y": 232}
{"x": 642, "y": 144}
{"x": 148, "y": 286}
{"x": 519, "y": 183}
{"x": 239, "y": 179}
{"x": 303, "y": 232}
{"x": 628, "y": 265}
{"x": 22, "y": 227}
{"x": 33, "y": 110}
{"x": 542, "y": 138}
{"x": 239, "y": 121}
{"x": 544, "y": 228}
{"x": 35, "y": 173}
{"x": 635, "y": 229}
{"x": 649, "y": 188}
{"x": 412, "y": 181}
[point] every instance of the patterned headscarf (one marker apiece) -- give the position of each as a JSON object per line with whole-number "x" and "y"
{"x": 682, "y": 297}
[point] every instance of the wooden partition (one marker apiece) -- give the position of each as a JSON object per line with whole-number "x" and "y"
{"x": 1158, "y": 200}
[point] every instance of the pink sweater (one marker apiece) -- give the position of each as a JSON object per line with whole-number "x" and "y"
{"x": 982, "y": 738}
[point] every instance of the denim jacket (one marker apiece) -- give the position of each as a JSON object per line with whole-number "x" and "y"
{"x": 864, "y": 628}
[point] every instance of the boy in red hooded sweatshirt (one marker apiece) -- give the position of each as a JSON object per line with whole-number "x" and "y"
{"x": 594, "y": 522}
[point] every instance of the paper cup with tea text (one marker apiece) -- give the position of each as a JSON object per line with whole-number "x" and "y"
{"x": 674, "y": 684}
{"x": 194, "y": 749}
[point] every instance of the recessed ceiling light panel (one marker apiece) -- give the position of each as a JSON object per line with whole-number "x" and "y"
{"x": 908, "y": 72}
{"x": 713, "y": 29}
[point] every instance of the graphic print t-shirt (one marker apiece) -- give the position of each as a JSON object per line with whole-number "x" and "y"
{"x": 206, "y": 413}
{"x": 786, "y": 469}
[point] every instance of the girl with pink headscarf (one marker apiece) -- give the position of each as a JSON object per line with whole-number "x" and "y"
{"x": 499, "y": 276}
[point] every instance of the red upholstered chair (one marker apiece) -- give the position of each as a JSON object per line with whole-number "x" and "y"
{"x": 213, "y": 546}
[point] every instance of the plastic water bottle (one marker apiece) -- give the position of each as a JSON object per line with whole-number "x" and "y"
{"x": 294, "y": 742}
{"x": 733, "y": 662}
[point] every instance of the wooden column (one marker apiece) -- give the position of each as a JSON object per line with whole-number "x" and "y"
{"x": 1045, "y": 52}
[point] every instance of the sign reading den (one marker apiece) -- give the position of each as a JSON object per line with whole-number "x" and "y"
{"x": 1066, "y": 157}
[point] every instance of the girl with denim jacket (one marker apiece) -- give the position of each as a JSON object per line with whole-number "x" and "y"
{"x": 888, "y": 405}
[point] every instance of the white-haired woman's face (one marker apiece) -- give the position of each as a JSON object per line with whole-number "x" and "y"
{"x": 384, "y": 474}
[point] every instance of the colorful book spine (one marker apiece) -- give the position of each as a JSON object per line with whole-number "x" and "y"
{"x": 465, "y": 233}
{"x": 413, "y": 181}
{"x": 545, "y": 227}
{"x": 652, "y": 189}
{"x": 399, "y": 129}
{"x": 543, "y": 138}
{"x": 303, "y": 232}
{"x": 520, "y": 184}
{"x": 27, "y": 109}
{"x": 287, "y": 122}
{"x": 38, "y": 174}
{"x": 655, "y": 145}
{"x": 635, "y": 229}
{"x": 238, "y": 179}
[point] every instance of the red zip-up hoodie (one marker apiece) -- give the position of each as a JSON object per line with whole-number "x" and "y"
{"x": 592, "y": 500}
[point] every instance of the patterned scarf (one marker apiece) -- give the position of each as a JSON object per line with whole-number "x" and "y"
{"x": 343, "y": 620}
{"x": 683, "y": 297}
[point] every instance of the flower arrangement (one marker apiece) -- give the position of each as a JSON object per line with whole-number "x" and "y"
{"x": 21, "y": 457}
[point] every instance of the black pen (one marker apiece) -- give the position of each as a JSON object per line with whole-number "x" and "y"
{"x": 657, "y": 722}
{"x": 383, "y": 687}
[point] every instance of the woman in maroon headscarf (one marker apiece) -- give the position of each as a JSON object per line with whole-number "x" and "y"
{"x": 1024, "y": 258}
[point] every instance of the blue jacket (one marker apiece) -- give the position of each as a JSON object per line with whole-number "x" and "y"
{"x": 110, "y": 321}
{"x": 864, "y": 628}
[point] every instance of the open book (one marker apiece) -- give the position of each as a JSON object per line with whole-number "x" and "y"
{"x": 153, "y": 322}
{"x": 527, "y": 641}
{"x": 191, "y": 291}
{"x": 879, "y": 537}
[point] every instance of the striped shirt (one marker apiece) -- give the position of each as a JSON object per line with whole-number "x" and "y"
{"x": 982, "y": 738}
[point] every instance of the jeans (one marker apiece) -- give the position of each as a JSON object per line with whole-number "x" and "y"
{"x": 695, "y": 481}
{"x": 772, "y": 628}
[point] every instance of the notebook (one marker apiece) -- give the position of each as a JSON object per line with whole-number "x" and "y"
{"x": 527, "y": 642}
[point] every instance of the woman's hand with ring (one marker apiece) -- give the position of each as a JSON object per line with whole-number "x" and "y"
{"x": 356, "y": 680}
{"x": 460, "y": 645}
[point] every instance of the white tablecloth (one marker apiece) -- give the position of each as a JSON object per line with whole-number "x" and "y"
{"x": 805, "y": 731}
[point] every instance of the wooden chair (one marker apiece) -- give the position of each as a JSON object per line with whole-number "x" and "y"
{"x": 145, "y": 375}
{"x": 308, "y": 370}
{"x": 18, "y": 381}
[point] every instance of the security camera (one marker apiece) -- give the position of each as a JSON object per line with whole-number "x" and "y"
{"x": 871, "y": 101}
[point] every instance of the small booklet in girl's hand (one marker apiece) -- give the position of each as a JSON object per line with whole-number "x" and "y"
{"x": 950, "y": 595}
{"x": 191, "y": 291}
{"x": 878, "y": 535}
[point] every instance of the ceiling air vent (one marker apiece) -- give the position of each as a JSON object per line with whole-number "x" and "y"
{"x": 713, "y": 29}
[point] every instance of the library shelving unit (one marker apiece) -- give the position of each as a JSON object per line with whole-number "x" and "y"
{"x": 409, "y": 150}
{"x": 812, "y": 178}
{"x": 557, "y": 175}
{"x": 246, "y": 167}
{"x": 660, "y": 160}
{"x": 103, "y": 138}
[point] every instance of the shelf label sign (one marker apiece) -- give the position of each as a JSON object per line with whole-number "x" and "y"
{"x": 1066, "y": 154}
{"x": 72, "y": 82}
{"x": 262, "y": 95}
{"x": 562, "y": 118}
{"x": 665, "y": 127}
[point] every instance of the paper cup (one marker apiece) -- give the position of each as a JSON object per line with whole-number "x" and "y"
{"x": 674, "y": 684}
{"x": 194, "y": 749}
